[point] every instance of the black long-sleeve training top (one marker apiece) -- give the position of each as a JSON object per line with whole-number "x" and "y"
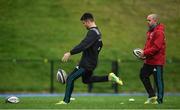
{"x": 90, "y": 46}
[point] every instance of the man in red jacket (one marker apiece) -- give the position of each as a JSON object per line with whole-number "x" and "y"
{"x": 154, "y": 51}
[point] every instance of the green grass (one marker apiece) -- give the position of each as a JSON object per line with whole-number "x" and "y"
{"x": 28, "y": 80}
{"x": 46, "y": 29}
{"x": 38, "y": 29}
{"x": 91, "y": 102}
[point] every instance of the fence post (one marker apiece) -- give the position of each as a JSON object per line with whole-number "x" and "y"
{"x": 90, "y": 87}
{"x": 51, "y": 76}
{"x": 115, "y": 71}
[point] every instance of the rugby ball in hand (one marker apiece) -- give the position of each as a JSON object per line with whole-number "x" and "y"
{"x": 137, "y": 52}
{"x": 12, "y": 99}
{"x": 61, "y": 76}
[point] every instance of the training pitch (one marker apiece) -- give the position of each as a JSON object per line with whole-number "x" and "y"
{"x": 90, "y": 102}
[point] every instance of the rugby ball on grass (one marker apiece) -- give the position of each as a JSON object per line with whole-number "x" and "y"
{"x": 61, "y": 76}
{"x": 137, "y": 52}
{"x": 12, "y": 99}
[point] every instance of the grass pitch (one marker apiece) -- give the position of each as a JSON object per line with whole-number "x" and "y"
{"x": 45, "y": 29}
{"x": 91, "y": 102}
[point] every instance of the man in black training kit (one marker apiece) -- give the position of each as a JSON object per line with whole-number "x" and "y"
{"x": 90, "y": 46}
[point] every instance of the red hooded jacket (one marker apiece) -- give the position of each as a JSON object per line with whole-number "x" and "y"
{"x": 155, "y": 46}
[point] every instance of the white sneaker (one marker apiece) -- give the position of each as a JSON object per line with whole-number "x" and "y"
{"x": 61, "y": 103}
{"x": 151, "y": 100}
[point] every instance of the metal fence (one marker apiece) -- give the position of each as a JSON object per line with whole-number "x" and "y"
{"x": 53, "y": 64}
{"x": 52, "y": 69}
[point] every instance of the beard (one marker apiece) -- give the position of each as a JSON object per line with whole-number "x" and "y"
{"x": 152, "y": 26}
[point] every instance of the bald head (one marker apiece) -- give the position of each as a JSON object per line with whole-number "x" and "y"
{"x": 153, "y": 16}
{"x": 152, "y": 19}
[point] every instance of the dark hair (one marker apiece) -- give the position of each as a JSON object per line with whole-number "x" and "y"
{"x": 87, "y": 16}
